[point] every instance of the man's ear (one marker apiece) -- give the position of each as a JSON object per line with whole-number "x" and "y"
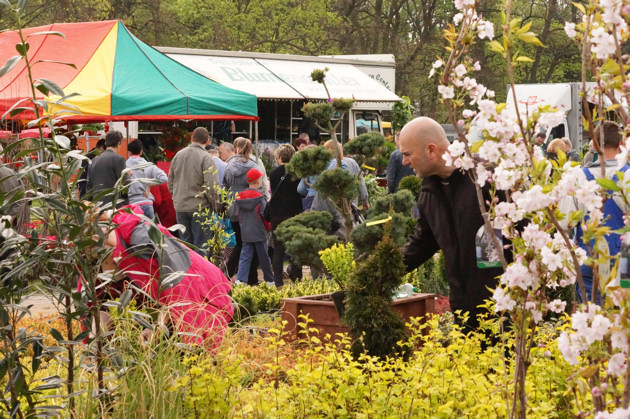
{"x": 431, "y": 150}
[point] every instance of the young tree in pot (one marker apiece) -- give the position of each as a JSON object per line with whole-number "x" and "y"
{"x": 322, "y": 113}
{"x": 364, "y": 146}
{"x": 374, "y": 325}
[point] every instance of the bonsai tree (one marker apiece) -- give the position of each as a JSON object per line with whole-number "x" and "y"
{"x": 305, "y": 235}
{"x": 399, "y": 207}
{"x": 412, "y": 184}
{"x": 322, "y": 113}
{"x": 374, "y": 325}
{"x": 364, "y": 146}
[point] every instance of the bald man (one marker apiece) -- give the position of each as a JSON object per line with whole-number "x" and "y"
{"x": 449, "y": 218}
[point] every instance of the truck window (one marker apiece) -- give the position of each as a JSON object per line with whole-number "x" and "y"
{"x": 366, "y": 122}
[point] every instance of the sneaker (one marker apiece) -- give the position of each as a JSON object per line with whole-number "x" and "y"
{"x": 271, "y": 284}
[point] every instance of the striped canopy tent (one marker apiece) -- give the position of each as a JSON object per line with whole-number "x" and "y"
{"x": 117, "y": 77}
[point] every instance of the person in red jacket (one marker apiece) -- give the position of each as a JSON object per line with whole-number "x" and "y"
{"x": 163, "y": 200}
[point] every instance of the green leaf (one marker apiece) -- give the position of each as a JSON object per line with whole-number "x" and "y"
{"x": 608, "y": 184}
{"x": 525, "y": 27}
{"x": 52, "y": 86}
{"x": 22, "y": 49}
{"x": 125, "y": 297}
{"x": 56, "y": 334}
{"x": 8, "y": 66}
{"x": 21, "y": 6}
{"x": 43, "y": 89}
{"x": 524, "y": 59}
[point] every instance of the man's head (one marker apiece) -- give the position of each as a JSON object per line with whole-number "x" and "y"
{"x": 200, "y": 136}
{"x": 226, "y": 150}
{"x": 135, "y": 148}
{"x": 284, "y": 153}
{"x": 254, "y": 178}
{"x": 539, "y": 139}
{"x": 212, "y": 150}
{"x": 100, "y": 145}
{"x": 612, "y": 137}
{"x": 113, "y": 139}
{"x": 423, "y": 143}
{"x": 305, "y": 136}
{"x": 300, "y": 143}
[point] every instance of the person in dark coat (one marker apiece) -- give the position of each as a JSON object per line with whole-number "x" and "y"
{"x": 85, "y": 164}
{"x": 449, "y": 217}
{"x": 107, "y": 169}
{"x": 285, "y": 203}
{"x": 396, "y": 170}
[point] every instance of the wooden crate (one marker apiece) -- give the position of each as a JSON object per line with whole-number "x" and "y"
{"x": 321, "y": 309}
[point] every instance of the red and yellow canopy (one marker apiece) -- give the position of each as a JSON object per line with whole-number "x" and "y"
{"x": 117, "y": 77}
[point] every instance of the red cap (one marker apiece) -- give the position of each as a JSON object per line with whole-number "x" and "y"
{"x": 253, "y": 174}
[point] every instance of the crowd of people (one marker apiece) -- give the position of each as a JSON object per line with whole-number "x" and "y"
{"x": 448, "y": 214}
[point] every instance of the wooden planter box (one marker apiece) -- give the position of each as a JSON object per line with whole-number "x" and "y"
{"x": 321, "y": 309}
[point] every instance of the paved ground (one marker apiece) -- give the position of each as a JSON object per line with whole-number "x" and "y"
{"x": 41, "y": 306}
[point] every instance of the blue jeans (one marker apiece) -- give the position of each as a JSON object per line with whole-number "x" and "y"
{"x": 148, "y": 211}
{"x": 195, "y": 233}
{"x": 247, "y": 254}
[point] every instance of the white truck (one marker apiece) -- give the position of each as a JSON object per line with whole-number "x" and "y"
{"x": 282, "y": 83}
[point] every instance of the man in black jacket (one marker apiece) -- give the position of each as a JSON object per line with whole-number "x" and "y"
{"x": 106, "y": 169}
{"x": 449, "y": 217}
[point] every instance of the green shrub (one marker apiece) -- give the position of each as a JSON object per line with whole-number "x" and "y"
{"x": 374, "y": 324}
{"x": 309, "y": 162}
{"x": 413, "y": 184}
{"x": 305, "y": 235}
{"x": 364, "y": 145}
{"x": 337, "y": 183}
{"x": 430, "y": 277}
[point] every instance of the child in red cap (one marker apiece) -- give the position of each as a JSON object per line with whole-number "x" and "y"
{"x": 250, "y": 205}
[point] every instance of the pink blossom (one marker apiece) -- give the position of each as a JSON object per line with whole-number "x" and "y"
{"x": 619, "y": 340}
{"x": 569, "y": 28}
{"x": 617, "y": 364}
{"x": 467, "y": 113}
{"x": 567, "y": 350}
{"x": 551, "y": 259}
{"x": 476, "y": 66}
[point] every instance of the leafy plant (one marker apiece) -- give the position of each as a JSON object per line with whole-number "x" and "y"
{"x": 305, "y": 235}
{"x": 412, "y": 184}
{"x": 339, "y": 262}
{"x": 375, "y": 326}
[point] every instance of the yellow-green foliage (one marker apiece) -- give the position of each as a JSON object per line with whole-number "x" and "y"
{"x": 339, "y": 262}
{"x": 450, "y": 376}
{"x": 264, "y": 298}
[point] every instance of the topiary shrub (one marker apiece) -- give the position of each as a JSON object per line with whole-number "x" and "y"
{"x": 401, "y": 202}
{"x": 365, "y": 238}
{"x": 337, "y": 184}
{"x": 309, "y": 162}
{"x": 365, "y": 145}
{"x": 373, "y": 323}
{"x": 305, "y": 235}
{"x": 412, "y": 184}
{"x": 400, "y": 207}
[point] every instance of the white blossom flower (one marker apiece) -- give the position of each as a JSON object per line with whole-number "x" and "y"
{"x": 447, "y": 92}
{"x": 603, "y": 43}
{"x": 467, "y": 113}
{"x": 557, "y": 306}
{"x": 460, "y": 70}
{"x": 503, "y": 300}
{"x": 551, "y": 119}
{"x": 569, "y": 28}
{"x": 485, "y": 29}
{"x": 567, "y": 350}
